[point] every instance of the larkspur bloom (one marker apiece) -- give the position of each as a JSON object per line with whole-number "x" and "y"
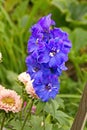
{"x": 10, "y": 101}
{"x": 46, "y": 87}
{"x": 48, "y": 48}
{"x": 34, "y": 68}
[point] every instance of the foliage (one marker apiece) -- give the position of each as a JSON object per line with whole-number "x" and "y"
{"x": 16, "y": 17}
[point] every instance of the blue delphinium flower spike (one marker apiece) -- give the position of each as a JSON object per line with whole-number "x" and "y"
{"x": 48, "y": 48}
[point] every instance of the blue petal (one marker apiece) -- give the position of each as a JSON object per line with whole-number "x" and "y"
{"x": 52, "y": 62}
{"x": 36, "y": 29}
{"x": 43, "y": 95}
{"x": 61, "y": 57}
{"x": 46, "y": 22}
{"x": 43, "y": 57}
{"x": 53, "y": 93}
{"x": 32, "y": 46}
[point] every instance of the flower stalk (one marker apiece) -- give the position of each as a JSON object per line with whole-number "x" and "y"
{"x": 48, "y": 48}
{"x": 43, "y": 120}
{"x": 28, "y": 114}
{"x": 2, "y": 124}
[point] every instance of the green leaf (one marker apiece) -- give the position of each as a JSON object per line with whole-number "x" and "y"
{"x": 75, "y": 11}
{"x": 51, "y": 107}
{"x": 55, "y": 127}
{"x": 78, "y": 11}
{"x": 60, "y": 102}
{"x": 78, "y": 38}
{"x": 61, "y": 5}
{"x": 40, "y": 107}
{"x": 20, "y": 10}
{"x": 62, "y": 118}
{"x": 48, "y": 126}
{"x": 16, "y": 124}
{"x": 36, "y": 123}
{"x": 9, "y": 4}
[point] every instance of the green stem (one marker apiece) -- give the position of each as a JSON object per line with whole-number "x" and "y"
{"x": 2, "y": 124}
{"x": 69, "y": 96}
{"x": 43, "y": 120}
{"x": 28, "y": 114}
{"x": 26, "y": 108}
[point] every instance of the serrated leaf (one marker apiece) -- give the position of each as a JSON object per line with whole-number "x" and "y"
{"x": 36, "y": 123}
{"x": 40, "y": 107}
{"x": 62, "y": 117}
{"x": 51, "y": 107}
{"x": 60, "y": 102}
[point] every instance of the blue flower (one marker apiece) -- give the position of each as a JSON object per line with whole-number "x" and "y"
{"x": 47, "y": 87}
{"x": 53, "y": 53}
{"x": 34, "y": 68}
{"x": 48, "y": 49}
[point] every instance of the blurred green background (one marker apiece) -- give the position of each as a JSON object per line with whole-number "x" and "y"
{"x": 17, "y": 16}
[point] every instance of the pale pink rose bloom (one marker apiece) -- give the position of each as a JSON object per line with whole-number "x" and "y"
{"x": 30, "y": 90}
{"x": 24, "y": 78}
{"x": 10, "y": 101}
{"x": 1, "y": 87}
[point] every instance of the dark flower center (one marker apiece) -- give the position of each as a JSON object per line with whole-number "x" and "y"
{"x": 53, "y": 70}
{"x": 36, "y": 69}
{"x": 48, "y": 86}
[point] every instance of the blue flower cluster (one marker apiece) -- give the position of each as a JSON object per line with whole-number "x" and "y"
{"x": 48, "y": 49}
